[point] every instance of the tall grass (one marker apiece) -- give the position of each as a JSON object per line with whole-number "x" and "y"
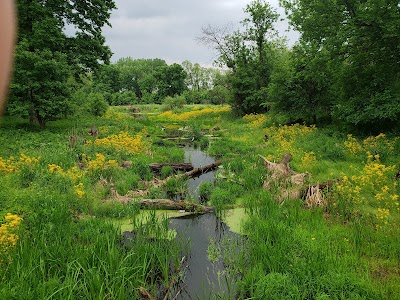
{"x": 67, "y": 248}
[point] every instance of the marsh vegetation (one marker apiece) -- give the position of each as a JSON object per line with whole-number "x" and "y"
{"x": 63, "y": 235}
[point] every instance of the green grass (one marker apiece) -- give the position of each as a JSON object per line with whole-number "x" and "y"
{"x": 70, "y": 247}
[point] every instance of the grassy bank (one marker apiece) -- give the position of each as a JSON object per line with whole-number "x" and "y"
{"x": 67, "y": 185}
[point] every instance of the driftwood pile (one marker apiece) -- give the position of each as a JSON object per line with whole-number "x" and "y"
{"x": 291, "y": 185}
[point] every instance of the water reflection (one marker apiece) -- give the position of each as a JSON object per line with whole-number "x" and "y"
{"x": 199, "y": 159}
{"x": 203, "y": 279}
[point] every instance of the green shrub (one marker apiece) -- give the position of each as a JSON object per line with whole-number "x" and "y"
{"x": 125, "y": 98}
{"x": 96, "y": 104}
{"x": 176, "y": 186}
{"x": 171, "y": 103}
{"x": 205, "y": 190}
{"x": 220, "y": 196}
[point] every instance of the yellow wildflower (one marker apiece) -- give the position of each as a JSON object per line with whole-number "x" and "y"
{"x": 8, "y": 233}
{"x": 123, "y": 142}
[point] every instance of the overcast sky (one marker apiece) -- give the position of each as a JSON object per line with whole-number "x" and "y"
{"x": 167, "y": 29}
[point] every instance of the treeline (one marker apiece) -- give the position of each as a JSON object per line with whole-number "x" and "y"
{"x": 143, "y": 81}
{"x": 59, "y": 73}
{"x": 344, "y": 69}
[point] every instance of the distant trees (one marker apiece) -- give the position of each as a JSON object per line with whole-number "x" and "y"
{"x": 205, "y": 85}
{"x": 198, "y": 78}
{"x": 131, "y": 81}
{"x": 46, "y": 57}
{"x": 135, "y": 81}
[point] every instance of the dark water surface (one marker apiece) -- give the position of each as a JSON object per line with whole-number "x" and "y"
{"x": 199, "y": 159}
{"x": 203, "y": 279}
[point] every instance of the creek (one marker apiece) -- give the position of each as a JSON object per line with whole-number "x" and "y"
{"x": 203, "y": 279}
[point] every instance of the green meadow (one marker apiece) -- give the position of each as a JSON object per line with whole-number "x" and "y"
{"x": 69, "y": 191}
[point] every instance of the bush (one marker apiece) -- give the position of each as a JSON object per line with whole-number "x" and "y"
{"x": 97, "y": 105}
{"x": 221, "y": 196}
{"x": 197, "y": 97}
{"x": 125, "y": 98}
{"x": 166, "y": 171}
{"x": 171, "y": 103}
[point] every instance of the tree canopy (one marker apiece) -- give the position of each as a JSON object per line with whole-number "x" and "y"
{"x": 362, "y": 39}
{"x": 46, "y": 56}
{"x": 248, "y": 53}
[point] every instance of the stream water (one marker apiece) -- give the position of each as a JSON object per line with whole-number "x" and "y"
{"x": 203, "y": 279}
{"x": 199, "y": 159}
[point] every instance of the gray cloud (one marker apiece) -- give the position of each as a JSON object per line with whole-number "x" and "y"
{"x": 167, "y": 29}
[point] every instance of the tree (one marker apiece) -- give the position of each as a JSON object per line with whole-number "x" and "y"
{"x": 46, "y": 56}
{"x": 170, "y": 81}
{"x": 362, "y": 38}
{"x": 248, "y": 54}
{"x": 198, "y": 78}
{"x": 301, "y": 84}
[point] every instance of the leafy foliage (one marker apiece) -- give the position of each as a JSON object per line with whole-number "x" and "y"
{"x": 248, "y": 54}
{"x": 46, "y": 56}
{"x": 361, "y": 38}
{"x": 301, "y": 84}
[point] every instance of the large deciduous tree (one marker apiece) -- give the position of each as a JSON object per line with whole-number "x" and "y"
{"x": 248, "y": 54}
{"x": 46, "y": 56}
{"x": 363, "y": 38}
{"x": 171, "y": 81}
{"x": 300, "y": 85}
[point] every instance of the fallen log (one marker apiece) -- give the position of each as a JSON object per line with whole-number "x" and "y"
{"x": 156, "y": 167}
{"x": 198, "y": 171}
{"x": 159, "y": 183}
{"x": 171, "y": 137}
{"x": 167, "y": 204}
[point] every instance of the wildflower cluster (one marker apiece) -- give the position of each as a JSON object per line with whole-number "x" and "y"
{"x": 99, "y": 163}
{"x": 11, "y": 165}
{"x": 7, "y": 166}
{"x": 377, "y": 144}
{"x": 79, "y": 190}
{"x": 373, "y": 187}
{"x": 75, "y": 175}
{"x": 123, "y": 142}
{"x": 382, "y": 217}
{"x": 255, "y": 120}
{"x": 308, "y": 159}
{"x": 287, "y": 139}
{"x": 115, "y": 116}
{"x": 8, "y": 233}
{"x": 169, "y": 115}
